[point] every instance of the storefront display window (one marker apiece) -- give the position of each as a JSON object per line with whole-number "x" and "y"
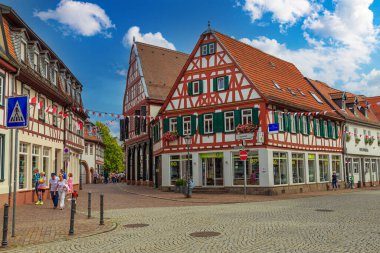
{"x": 336, "y": 166}
{"x": 298, "y": 168}
{"x": 23, "y": 164}
{"x": 252, "y": 168}
{"x": 178, "y": 167}
{"x": 280, "y": 168}
{"x": 323, "y": 168}
{"x": 312, "y": 165}
{"x": 212, "y": 169}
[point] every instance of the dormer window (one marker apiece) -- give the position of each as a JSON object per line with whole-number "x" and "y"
{"x": 292, "y": 92}
{"x": 35, "y": 62}
{"x": 54, "y": 77}
{"x": 344, "y": 97}
{"x": 301, "y": 92}
{"x": 276, "y": 85}
{"x": 316, "y": 97}
{"x": 366, "y": 112}
{"x": 23, "y": 51}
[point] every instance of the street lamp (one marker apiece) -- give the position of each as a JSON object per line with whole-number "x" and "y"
{"x": 188, "y": 142}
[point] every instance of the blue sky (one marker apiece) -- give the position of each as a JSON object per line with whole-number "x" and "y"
{"x": 336, "y": 41}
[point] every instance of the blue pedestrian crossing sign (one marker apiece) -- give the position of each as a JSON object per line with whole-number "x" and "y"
{"x": 17, "y": 112}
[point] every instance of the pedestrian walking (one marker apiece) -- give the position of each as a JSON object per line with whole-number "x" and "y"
{"x": 105, "y": 177}
{"x": 334, "y": 181}
{"x": 62, "y": 188}
{"x": 70, "y": 183}
{"x": 63, "y": 174}
{"x": 36, "y": 178}
{"x": 53, "y": 189}
{"x": 41, "y": 188}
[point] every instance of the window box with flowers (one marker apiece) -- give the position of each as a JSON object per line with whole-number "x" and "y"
{"x": 378, "y": 141}
{"x": 348, "y": 137}
{"x": 357, "y": 140}
{"x": 246, "y": 128}
{"x": 170, "y": 136}
{"x": 369, "y": 140}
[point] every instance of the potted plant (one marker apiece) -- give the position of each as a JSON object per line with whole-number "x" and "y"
{"x": 246, "y": 128}
{"x": 179, "y": 185}
{"x": 348, "y": 137}
{"x": 170, "y": 136}
{"x": 371, "y": 140}
{"x": 357, "y": 140}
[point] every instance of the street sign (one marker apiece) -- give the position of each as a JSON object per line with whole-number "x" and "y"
{"x": 66, "y": 154}
{"x": 273, "y": 128}
{"x": 260, "y": 137}
{"x": 246, "y": 136}
{"x": 17, "y": 112}
{"x": 243, "y": 155}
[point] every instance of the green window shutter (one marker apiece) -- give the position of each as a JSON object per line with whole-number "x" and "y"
{"x": 255, "y": 116}
{"x": 296, "y": 119}
{"x": 237, "y": 117}
{"x": 218, "y": 122}
{"x": 322, "y": 126}
{"x": 285, "y": 119}
{"x": 336, "y": 131}
{"x": 201, "y": 124}
{"x": 329, "y": 127}
{"x": 226, "y": 82}
{"x": 290, "y": 123}
{"x": 308, "y": 124}
{"x": 166, "y": 125}
{"x": 190, "y": 88}
{"x": 193, "y": 124}
{"x": 315, "y": 126}
{"x": 275, "y": 117}
{"x": 200, "y": 86}
{"x": 179, "y": 126}
{"x": 215, "y": 84}
{"x": 301, "y": 124}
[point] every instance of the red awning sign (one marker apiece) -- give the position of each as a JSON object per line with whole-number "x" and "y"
{"x": 243, "y": 155}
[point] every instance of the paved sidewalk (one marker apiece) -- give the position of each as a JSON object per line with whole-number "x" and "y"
{"x": 39, "y": 224}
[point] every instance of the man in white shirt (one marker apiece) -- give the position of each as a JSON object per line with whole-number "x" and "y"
{"x": 53, "y": 189}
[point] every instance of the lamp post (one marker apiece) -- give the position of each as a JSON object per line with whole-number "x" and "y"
{"x": 188, "y": 141}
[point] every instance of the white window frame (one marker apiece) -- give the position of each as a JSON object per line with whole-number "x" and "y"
{"x": 246, "y": 116}
{"x": 2, "y": 90}
{"x": 316, "y": 97}
{"x": 217, "y": 83}
{"x": 229, "y": 123}
{"x": 276, "y": 85}
{"x": 325, "y": 129}
{"x": 208, "y": 125}
{"x": 41, "y": 112}
{"x": 203, "y": 48}
{"x": 293, "y": 130}
{"x": 23, "y": 48}
{"x": 196, "y": 84}
{"x": 280, "y": 122}
{"x": 333, "y": 130}
{"x": 211, "y": 48}
{"x": 318, "y": 128}
{"x": 35, "y": 61}
{"x": 173, "y": 124}
{"x": 186, "y": 125}
{"x": 304, "y": 124}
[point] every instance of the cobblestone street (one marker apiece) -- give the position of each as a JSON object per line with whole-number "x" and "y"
{"x": 343, "y": 222}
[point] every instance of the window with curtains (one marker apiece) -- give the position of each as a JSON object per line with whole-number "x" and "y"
{"x": 220, "y": 82}
{"x": 187, "y": 125}
{"x": 304, "y": 125}
{"x": 280, "y": 122}
{"x": 325, "y": 129}
{"x": 173, "y": 124}
{"x": 246, "y": 116}
{"x": 229, "y": 124}
{"x": 293, "y": 124}
{"x": 317, "y": 128}
{"x": 208, "y": 124}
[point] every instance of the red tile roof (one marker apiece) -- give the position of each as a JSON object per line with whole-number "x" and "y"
{"x": 160, "y": 67}
{"x": 262, "y": 69}
{"x": 8, "y": 38}
{"x": 326, "y": 90}
{"x": 375, "y": 105}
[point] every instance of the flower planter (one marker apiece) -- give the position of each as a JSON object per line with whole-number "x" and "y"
{"x": 170, "y": 136}
{"x": 357, "y": 140}
{"x": 246, "y": 128}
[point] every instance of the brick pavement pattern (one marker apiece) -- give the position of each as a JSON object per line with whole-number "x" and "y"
{"x": 344, "y": 223}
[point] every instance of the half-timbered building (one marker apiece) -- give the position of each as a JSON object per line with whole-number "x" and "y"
{"x": 53, "y": 91}
{"x": 151, "y": 74}
{"x": 361, "y": 133}
{"x": 226, "y": 87}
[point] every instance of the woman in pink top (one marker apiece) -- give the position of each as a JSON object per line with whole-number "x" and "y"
{"x": 70, "y": 183}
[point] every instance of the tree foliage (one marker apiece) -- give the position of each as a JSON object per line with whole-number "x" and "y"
{"x": 113, "y": 153}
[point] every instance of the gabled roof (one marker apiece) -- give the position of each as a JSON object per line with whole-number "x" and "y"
{"x": 160, "y": 67}
{"x": 92, "y": 137}
{"x": 375, "y": 105}
{"x": 266, "y": 71}
{"x": 326, "y": 90}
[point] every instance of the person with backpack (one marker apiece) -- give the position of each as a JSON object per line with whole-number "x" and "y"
{"x": 334, "y": 181}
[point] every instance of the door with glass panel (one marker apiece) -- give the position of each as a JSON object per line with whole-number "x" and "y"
{"x": 374, "y": 171}
{"x": 212, "y": 169}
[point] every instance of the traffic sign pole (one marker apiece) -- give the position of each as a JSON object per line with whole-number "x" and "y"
{"x": 15, "y": 186}
{"x": 243, "y": 157}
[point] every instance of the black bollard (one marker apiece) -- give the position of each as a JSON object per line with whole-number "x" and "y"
{"x": 71, "y": 231}
{"x": 101, "y": 209}
{"x": 89, "y": 205}
{"x": 4, "y": 243}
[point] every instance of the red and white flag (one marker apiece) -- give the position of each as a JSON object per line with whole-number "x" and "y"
{"x": 33, "y": 100}
{"x": 40, "y": 105}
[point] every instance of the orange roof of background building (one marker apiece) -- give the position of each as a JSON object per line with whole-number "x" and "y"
{"x": 327, "y": 91}
{"x": 264, "y": 69}
{"x": 375, "y": 105}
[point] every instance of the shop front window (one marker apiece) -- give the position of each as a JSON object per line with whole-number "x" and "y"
{"x": 178, "y": 167}
{"x": 45, "y": 161}
{"x": 311, "y": 163}
{"x": 252, "y": 168}
{"x": 212, "y": 169}
{"x": 298, "y": 168}
{"x": 323, "y": 168}
{"x": 355, "y": 165}
{"x": 280, "y": 168}
{"x": 336, "y": 166}
{"x": 23, "y": 164}
{"x": 35, "y": 159}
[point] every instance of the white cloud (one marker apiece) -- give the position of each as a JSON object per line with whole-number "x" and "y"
{"x": 80, "y": 18}
{"x": 340, "y": 43}
{"x": 122, "y": 72}
{"x": 149, "y": 38}
{"x": 368, "y": 85}
{"x": 285, "y": 12}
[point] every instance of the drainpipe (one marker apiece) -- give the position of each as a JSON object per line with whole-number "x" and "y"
{"x": 346, "y": 170}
